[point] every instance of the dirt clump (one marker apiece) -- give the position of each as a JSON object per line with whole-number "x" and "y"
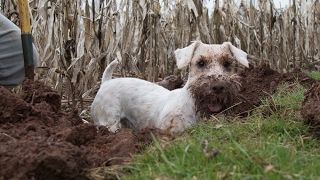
{"x": 298, "y": 76}
{"x": 171, "y": 82}
{"x": 310, "y": 109}
{"x": 39, "y": 141}
{"x": 256, "y": 83}
{"x": 259, "y": 82}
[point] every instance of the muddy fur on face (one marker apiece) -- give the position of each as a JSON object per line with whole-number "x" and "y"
{"x": 207, "y": 100}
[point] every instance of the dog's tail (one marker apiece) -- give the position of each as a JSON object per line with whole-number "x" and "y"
{"x": 107, "y": 74}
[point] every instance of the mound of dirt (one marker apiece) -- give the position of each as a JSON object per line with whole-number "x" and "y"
{"x": 256, "y": 83}
{"x": 298, "y": 76}
{"x": 310, "y": 110}
{"x": 39, "y": 141}
{"x": 259, "y": 82}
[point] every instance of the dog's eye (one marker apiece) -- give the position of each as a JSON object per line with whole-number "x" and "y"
{"x": 226, "y": 64}
{"x": 201, "y": 64}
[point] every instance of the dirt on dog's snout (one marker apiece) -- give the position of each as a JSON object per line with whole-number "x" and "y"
{"x": 40, "y": 141}
{"x": 208, "y": 100}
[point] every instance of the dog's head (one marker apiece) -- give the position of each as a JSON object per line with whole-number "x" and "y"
{"x": 210, "y": 59}
{"x": 212, "y": 81}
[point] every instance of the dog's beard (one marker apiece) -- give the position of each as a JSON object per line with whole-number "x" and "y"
{"x": 206, "y": 101}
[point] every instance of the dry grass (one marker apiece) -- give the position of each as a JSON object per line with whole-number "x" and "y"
{"x": 76, "y": 39}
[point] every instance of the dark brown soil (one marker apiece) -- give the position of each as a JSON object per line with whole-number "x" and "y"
{"x": 310, "y": 110}
{"x": 259, "y": 82}
{"x": 39, "y": 141}
{"x": 171, "y": 82}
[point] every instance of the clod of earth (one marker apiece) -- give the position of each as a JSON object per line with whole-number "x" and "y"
{"x": 260, "y": 82}
{"x": 310, "y": 110}
{"x": 171, "y": 82}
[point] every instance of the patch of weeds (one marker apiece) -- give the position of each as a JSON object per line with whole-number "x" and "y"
{"x": 314, "y": 74}
{"x": 284, "y": 103}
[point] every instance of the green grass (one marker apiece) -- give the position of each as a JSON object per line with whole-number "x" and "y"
{"x": 272, "y": 143}
{"x": 315, "y": 74}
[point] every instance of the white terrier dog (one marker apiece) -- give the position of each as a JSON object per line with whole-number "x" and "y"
{"x": 210, "y": 88}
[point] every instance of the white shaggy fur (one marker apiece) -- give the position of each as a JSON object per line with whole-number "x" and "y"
{"x": 144, "y": 103}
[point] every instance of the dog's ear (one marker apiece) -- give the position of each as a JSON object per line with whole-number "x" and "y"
{"x": 240, "y": 55}
{"x": 184, "y": 55}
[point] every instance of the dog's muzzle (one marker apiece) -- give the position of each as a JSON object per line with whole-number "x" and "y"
{"x": 213, "y": 95}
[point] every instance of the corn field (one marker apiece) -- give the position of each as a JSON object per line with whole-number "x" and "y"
{"x": 76, "y": 39}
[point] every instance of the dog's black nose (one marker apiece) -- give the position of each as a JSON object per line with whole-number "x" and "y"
{"x": 218, "y": 88}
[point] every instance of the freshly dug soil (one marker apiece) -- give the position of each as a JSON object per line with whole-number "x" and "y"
{"x": 259, "y": 82}
{"x": 298, "y": 76}
{"x": 171, "y": 82}
{"x": 256, "y": 83}
{"x": 39, "y": 141}
{"x": 310, "y": 110}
